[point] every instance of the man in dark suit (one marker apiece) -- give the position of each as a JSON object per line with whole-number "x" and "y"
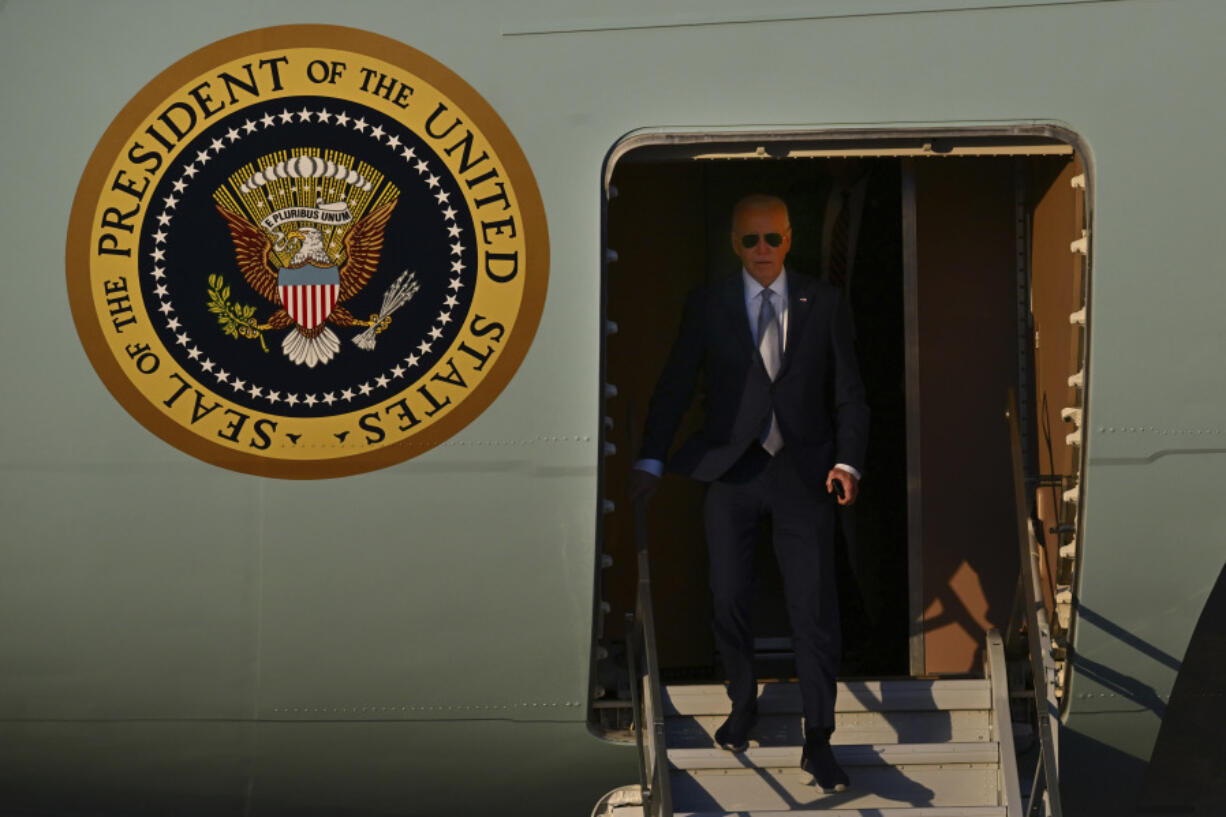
{"x": 785, "y": 423}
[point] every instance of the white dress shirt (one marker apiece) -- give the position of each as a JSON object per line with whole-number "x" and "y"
{"x": 779, "y": 300}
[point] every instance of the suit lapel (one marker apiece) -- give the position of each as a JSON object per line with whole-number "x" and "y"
{"x": 800, "y": 303}
{"x": 732, "y": 294}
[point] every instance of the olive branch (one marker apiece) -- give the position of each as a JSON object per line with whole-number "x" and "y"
{"x": 237, "y": 320}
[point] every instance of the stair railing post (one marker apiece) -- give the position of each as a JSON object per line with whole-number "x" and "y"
{"x": 1038, "y": 629}
{"x": 655, "y": 754}
{"x": 633, "y": 643}
{"x": 1008, "y": 784}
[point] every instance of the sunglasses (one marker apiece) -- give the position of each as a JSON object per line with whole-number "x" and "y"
{"x": 750, "y": 240}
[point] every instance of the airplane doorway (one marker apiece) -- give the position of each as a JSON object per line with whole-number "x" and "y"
{"x": 927, "y": 556}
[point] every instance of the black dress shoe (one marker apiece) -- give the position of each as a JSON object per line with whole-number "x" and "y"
{"x": 818, "y": 760}
{"x": 734, "y": 734}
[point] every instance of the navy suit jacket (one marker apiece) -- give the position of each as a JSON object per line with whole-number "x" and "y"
{"x": 817, "y": 397}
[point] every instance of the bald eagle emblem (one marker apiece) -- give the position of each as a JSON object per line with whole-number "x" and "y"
{"x": 309, "y": 290}
{"x": 308, "y": 256}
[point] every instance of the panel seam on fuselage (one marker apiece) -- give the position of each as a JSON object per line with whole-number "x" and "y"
{"x": 1157, "y": 455}
{"x": 596, "y": 29}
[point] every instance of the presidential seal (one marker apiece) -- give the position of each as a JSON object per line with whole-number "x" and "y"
{"x": 307, "y": 251}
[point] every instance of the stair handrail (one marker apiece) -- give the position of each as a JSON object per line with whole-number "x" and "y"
{"x": 1007, "y": 783}
{"x": 645, "y": 692}
{"x": 1038, "y": 631}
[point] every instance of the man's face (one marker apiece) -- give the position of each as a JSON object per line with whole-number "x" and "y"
{"x": 760, "y": 227}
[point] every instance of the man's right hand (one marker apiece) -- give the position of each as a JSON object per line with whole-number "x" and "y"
{"x": 641, "y": 484}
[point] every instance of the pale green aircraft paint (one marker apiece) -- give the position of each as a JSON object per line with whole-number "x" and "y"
{"x": 419, "y": 637}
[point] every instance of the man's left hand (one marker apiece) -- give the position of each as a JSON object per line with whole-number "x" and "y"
{"x": 851, "y": 485}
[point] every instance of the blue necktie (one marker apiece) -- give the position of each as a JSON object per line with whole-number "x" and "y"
{"x": 770, "y": 346}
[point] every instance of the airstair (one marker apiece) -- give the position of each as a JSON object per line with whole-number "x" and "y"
{"x": 912, "y": 747}
{"x": 934, "y": 748}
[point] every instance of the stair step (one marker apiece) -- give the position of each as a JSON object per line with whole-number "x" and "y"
{"x": 961, "y": 726}
{"x": 852, "y": 696}
{"x": 899, "y": 755}
{"x": 872, "y": 787}
{"x": 918, "y": 811}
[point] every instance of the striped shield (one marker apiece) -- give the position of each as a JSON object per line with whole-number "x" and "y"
{"x": 309, "y": 293}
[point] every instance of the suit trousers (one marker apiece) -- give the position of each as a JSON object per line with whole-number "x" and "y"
{"x": 802, "y": 532}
